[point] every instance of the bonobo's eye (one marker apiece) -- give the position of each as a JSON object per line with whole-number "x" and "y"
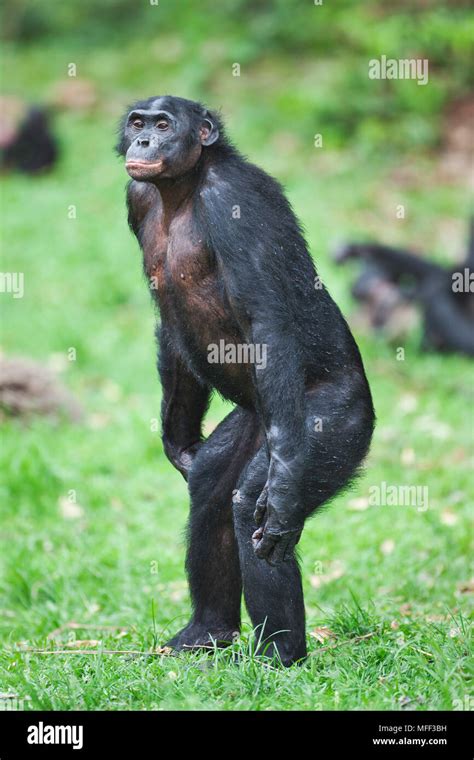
{"x": 162, "y": 124}
{"x": 137, "y": 124}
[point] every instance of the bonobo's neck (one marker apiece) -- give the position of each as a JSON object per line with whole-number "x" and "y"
{"x": 174, "y": 191}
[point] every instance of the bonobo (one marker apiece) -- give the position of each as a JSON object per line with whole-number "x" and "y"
{"x": 392, "y": 278}
{"x": 227, "y": 261}
{"x": 27, "y": 143}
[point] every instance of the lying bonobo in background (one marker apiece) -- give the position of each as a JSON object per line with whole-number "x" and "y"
{"x": 229, "y": 267}
{"x": 392, "y": 278}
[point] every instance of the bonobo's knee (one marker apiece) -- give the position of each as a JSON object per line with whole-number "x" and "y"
{"x": 358, "y": 410}
{"x": 344, "y": 410}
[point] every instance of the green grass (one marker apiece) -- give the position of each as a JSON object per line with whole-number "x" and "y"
{"x": 389, "y": 582}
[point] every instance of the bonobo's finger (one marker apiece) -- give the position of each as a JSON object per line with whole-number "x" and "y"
{"x": 265, "y": 546}
{"x": 280, "y": 551}
{"x": 261, "y": 506}
{"x": 284, "y": 549}
{"x": 257, "y": 536}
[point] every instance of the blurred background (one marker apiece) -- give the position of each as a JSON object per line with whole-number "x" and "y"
{"x": 92, "y": 513}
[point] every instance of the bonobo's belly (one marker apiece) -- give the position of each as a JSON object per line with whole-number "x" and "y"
{"x": 194, "y": 308}
{"x": 209, "y": 342}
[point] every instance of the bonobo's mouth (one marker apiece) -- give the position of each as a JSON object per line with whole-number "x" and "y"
{"x": 139, "y": 169}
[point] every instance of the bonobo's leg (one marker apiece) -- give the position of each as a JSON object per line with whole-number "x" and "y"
{"x": 273, "y": 595}
{"x": 212, "y": 561}
{"x": 339, "y": 424}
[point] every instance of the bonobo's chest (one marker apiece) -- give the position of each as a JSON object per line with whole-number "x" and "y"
{"x": 186, "y": 281}
{"x": 176, "y": 261}
{"x": 183, "y": 279}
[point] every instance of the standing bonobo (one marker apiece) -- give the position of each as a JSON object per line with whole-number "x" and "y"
{"x": 228, "y": 265}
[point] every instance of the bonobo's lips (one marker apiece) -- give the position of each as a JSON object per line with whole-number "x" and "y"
{"x": 138, "y": 169}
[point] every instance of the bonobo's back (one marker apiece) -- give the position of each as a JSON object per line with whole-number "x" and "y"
{"x": 246, "y": 213}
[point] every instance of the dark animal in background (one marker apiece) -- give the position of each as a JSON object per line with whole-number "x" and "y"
{"x": 27, "y": 142}
{"x": 393, "y": 278}
{"x": 227, "y": 262}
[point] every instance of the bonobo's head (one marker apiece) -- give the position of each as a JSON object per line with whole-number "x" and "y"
{"x": 165, "y": 136}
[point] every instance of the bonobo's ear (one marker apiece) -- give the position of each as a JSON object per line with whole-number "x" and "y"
{"x": 123, "y": 143}
{"x": 208, "y": 131}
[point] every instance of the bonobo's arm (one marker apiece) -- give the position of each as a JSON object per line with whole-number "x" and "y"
{"x": 394, "y": 262}
{"x": 184, "y": 404}
{"x": 252, "y": 254}
{"x": 185, "y": 400}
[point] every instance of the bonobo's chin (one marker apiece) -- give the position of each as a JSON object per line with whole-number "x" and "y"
{"x": 144, "y": 171}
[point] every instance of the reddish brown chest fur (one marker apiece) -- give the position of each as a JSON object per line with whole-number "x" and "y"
{"x": 181, "y": 271}
{"x": 175, "y": 259}
{"x": 183, "y": 277}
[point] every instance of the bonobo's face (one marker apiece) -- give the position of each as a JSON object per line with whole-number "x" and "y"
{"x": 164, "y": 137}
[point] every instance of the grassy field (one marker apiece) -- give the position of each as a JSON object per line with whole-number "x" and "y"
{"x": 386, "y": 586}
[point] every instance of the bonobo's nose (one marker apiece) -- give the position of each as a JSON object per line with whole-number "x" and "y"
{"x": 144, "y": 141}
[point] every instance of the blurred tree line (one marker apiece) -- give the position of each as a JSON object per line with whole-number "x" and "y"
{"x": 290, "y": 34}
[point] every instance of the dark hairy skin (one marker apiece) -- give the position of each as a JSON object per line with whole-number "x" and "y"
{"x": 226, "y": 261}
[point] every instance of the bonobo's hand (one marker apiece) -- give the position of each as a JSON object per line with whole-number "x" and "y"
{"x": 182, "y": 459}
{"x": 279, "y": 516}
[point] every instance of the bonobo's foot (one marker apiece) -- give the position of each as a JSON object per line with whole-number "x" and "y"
{"x": 281, "y": 654}
{"x": 197, "y": 635}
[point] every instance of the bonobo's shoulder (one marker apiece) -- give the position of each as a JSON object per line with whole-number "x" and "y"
{"x": 215, "y": 182}
{"x": 141, "y": 192}
{"x": 237, "y": 177}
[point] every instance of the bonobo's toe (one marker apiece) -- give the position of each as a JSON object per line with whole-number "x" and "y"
{"x": 195, "y": 636}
